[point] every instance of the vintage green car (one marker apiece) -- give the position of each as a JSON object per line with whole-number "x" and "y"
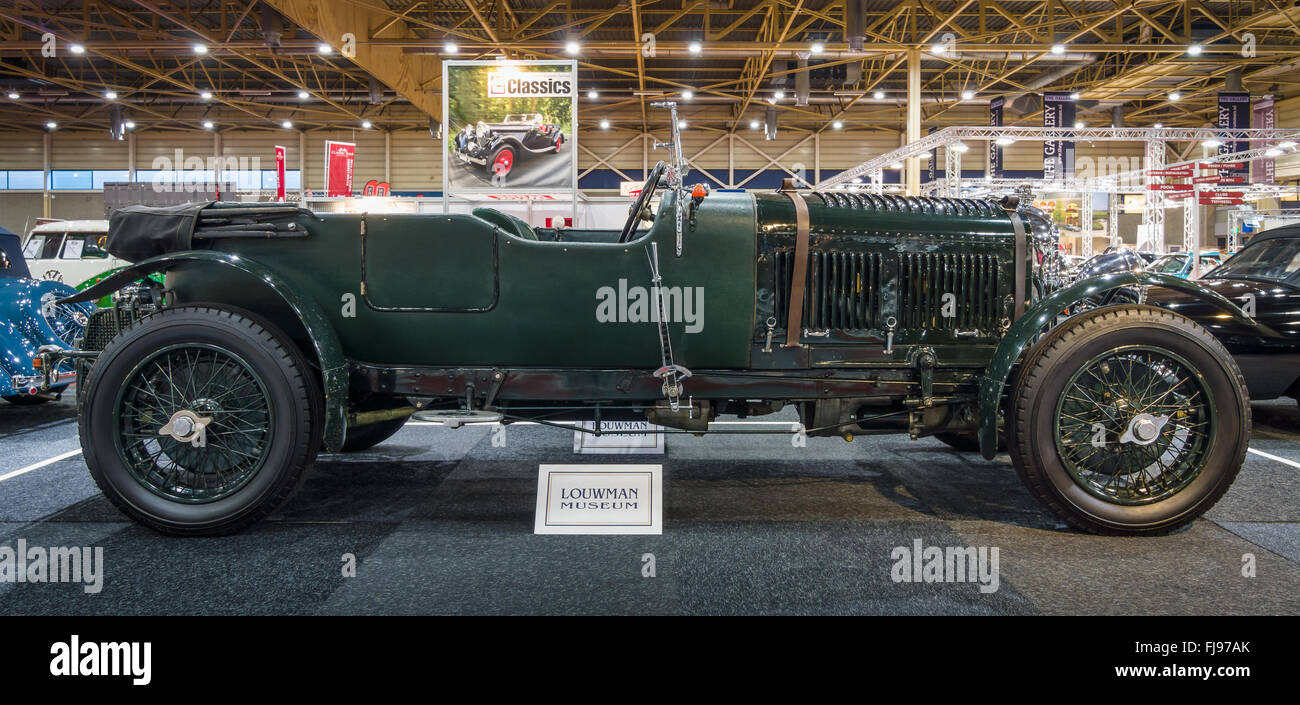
{"x": 280, "y": 332}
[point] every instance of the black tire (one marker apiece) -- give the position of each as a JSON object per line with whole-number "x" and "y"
{"x": 26, "y": 399}
{"x": 1038, "y": 398}
{"x": 279, "y": 379}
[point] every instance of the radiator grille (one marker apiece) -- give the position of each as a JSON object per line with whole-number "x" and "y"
{"x": 843, "y": 290}
{"x": 924, "y": 279}
{"x": 106, "y": 323}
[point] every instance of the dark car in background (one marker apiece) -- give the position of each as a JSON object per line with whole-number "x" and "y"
{"x": 496, "y": 146}
{"x": 1264, "y": 280}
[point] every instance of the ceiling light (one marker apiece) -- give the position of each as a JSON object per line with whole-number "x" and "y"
{"x": 51, "y": 124}
{"x": 1058, "y": 49}
{"x": 572, "y": 47}
{"x": 1194, "y": 50}
{"x": 967, "y": 95}
{"x": 592, "y": 94}
{"x": 207, "y": 125}
{"x": 857, "y": 179}
{"x": 1273, "y": 152}
{"x": 1074, "y": 95}
{"x": 753, "y": 124}
{"x": 817, "y": 47}
{"x": 366, "y": 124}
{"x": 1078, "y": 124}
{"x": 938, "y": 49}
{"x": 1212, "y": 143}
{"x": 878, "y": 95}
{"x": 779, "y": 95}
{"x": 287, "y": 125}
{"x": 1003, "y": 141}
{"x": 959, "y": 147}
{"x": 1288, "y": 144}
{"x": 687, "y": 94}
{"x": 604, "y": 124}
{"x": 77, "y": 49}
{"x": 450, "y": 47}
{"x": 325, "y": 49}
{"x": 303, "y": 95}
{"x": 1158, "y": 125}
{"x": 130, "y": 125}
{"x": 837, "y": 124}
{"x": 694, "y": 47}
{"x": 13, "y": 96}
{"x": 923, "y": 156}
{"x": 1176, "y": 96}
{"x": 681, "y": 124}
{"x": 200, "y": 49}
{"x": 206, "y": 95}
{"x": 896, "y": 165}
{"x": 111, "y": 95}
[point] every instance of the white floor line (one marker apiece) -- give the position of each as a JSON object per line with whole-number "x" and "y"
{"x": 1270, "y": 456}
{"x": 38, "y": 466}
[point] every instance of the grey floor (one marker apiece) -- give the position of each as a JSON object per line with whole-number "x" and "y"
{"x": 440, "y": 521}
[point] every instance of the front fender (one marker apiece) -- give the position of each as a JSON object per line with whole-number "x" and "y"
{"x": 1025, "y": 330}
{"x": 23, "y": 328}
{"x": 325, "y": 342}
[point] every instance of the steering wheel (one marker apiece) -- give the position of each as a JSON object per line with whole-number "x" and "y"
{"x": 647, "y": 192}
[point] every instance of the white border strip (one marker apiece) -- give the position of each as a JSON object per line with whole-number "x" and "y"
{"x": 38, "y": 466}
{"x": 1270, "y": 456}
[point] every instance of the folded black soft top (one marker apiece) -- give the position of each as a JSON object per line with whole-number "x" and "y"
{"x": 139, "y": 232}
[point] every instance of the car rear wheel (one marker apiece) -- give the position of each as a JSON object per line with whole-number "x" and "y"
{"x": 1129, "y": 420}
{"x": 199, "y": 420}
{"x": 503, "y": 160}
{"x": 559, "y": 142}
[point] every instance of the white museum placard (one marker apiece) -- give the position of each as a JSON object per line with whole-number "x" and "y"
{"x": 599, "y": 499}
{"x": 629, "y": 438}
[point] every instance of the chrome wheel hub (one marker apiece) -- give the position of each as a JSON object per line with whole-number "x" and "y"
{"x": 1144, "y": 429}
{"x": 186, "y": 427}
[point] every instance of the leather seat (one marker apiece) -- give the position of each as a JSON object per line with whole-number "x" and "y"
{"x": 505, "y": 221}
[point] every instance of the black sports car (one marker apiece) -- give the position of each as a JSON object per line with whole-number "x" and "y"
{"x": 1264, "y": 280}
{"x": 496, "y": 146}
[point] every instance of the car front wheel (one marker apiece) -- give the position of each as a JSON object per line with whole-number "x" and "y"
{"x": 199, "y": 420}
{"x": 1129, "y": 420}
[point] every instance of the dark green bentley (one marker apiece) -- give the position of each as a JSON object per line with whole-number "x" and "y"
{"x": 280, "y": 332}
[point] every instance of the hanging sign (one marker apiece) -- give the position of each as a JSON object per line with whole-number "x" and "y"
{"x": 340, "y": 157}
{"x": 279, "y": 173}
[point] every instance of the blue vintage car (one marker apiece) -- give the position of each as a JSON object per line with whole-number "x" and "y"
{"x": 30, "y": 317}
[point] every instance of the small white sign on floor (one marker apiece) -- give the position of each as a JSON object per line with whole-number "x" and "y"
{"x": 629, "y": 438}
{"x": 599, "y": 499}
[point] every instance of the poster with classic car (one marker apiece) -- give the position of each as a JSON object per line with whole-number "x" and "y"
{"x": 509, "y": 125}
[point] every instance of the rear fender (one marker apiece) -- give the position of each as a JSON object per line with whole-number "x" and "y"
{"x": 1025, "y": 330}
{"x": 325, "y": 342}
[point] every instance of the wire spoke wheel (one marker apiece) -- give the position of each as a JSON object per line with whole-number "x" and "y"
{"x": 1135, "y": 425}
{"x": 194, "y": 422}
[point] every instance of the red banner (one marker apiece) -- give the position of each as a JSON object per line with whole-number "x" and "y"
{"x": 339, "y": 160}
{"x": 1169, "y": 187}
{"x": 1170, "y": 173}
{"x": 1222, "y": 165}
{"x": 279, "y": 173}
